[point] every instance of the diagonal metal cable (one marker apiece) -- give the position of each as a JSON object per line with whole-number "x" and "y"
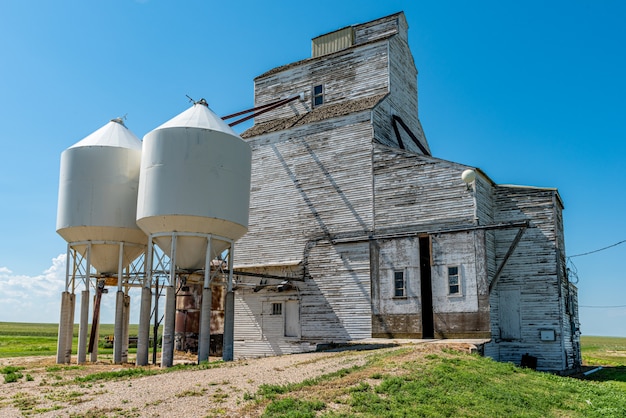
{"x": 598, "y": 250}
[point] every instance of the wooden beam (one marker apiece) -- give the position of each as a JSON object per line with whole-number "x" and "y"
{"x": 508, "y": 254}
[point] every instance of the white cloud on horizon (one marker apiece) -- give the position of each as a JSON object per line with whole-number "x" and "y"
{"x": 32, "y": 298}
{"x": 37, "y": 299}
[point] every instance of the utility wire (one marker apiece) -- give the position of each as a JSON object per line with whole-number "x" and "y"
{"x": 598, "y": 250}
{"x": 602, "y": 307}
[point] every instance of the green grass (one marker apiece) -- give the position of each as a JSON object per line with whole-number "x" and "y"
{"x": 605, "y": 351}
{"x": 25, "y": 339}
{"x": 444, "y": 385}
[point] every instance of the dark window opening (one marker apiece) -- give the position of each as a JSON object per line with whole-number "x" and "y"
{"x": 277, "y": 308}
{"x": 454, "y": 283}
{"x": 399, "y": 284}
{"x": 318, "y": 95}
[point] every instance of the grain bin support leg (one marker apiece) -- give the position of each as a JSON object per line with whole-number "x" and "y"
{"x": 167, "y": 348}
{"x": 204, "y": 346}
{"x": 118, "y": 331}
{"x": 143, "y": 337}
{"x": 63, "y": 326}
{"x": 69, "y": 335}
{"x": 84, "y": 325}
{"x": 204, "y": 343}
{"x": 126, "y": 328}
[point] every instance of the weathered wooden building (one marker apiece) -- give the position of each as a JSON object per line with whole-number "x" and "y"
{"x": 360, "y": 232}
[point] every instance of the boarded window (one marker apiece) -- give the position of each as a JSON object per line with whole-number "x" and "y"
{"x": 318, "y": 95}
{"x": 277, "y": 308}
{"x": 509, "y": 313}
{"x": 454, "y": 280}
{"x": 292, "y": 318}
{"x": 399, "y": 284}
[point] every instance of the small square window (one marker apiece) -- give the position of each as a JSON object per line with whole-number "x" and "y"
{"x": 318, "y": 95}
{"x": 277, "y": 308}
{"x": 399, "y": 284}
{"x": 454, "y": 281}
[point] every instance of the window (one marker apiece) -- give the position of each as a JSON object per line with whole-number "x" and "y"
{"x": 454, "y": 281}
{"x": 277, "y": 308}
{"x": 399, "y": 285}
{"x": 318, "y": 95}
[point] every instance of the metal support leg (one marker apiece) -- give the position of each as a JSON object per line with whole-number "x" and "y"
{"x": 118, "y": 332}
{"x": 167, "y": 349}
{"x": 83, "y": 330}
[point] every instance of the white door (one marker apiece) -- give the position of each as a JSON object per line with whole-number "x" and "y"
{"x": 292, "y": 318}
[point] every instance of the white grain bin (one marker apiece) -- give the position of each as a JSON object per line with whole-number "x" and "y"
{"x": 195, "y": 178}
{"x": 98, "y": 196}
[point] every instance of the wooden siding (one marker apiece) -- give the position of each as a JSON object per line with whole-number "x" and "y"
{"x": 334, "y": 304}
{"x": 403, "y": 87}
{"x": 347, "y": 75}
{"x": 421, "y": 191}
{"x": 532, "y": 269}
{"x": 467, "y": 314}
{"x": 313, "y": 182}
{"x": 392, "y": 316}
{"x": 336, "y": 194}
{"x": 381, "y": 28}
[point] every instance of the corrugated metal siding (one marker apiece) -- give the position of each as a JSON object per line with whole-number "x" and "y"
{"x": 332, "y": 42}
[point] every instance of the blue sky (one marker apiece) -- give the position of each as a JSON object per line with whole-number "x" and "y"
{"x": 533, "y": 93}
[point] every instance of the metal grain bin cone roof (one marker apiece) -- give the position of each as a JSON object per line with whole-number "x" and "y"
{"x": 98, "y": 184}
{"x": 195, "y": 178}
{"x": 199, "y": 116}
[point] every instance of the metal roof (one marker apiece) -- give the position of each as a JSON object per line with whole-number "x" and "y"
{"x": 199, "y": 116}
{"x": 113, "y": 134}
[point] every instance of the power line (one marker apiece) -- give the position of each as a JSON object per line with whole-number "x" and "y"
{"x": 602, "y": 307}
{"x": 598, "y": 250}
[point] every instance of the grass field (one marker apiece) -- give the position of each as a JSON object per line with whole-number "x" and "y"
{"x": 25, "y": 339}
{"x": 399, "y": 383}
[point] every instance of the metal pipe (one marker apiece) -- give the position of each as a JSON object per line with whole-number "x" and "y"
{"x": 95, "y": 333}
{"x": 597, "y": 369}
{"x": 229, "y": 312}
